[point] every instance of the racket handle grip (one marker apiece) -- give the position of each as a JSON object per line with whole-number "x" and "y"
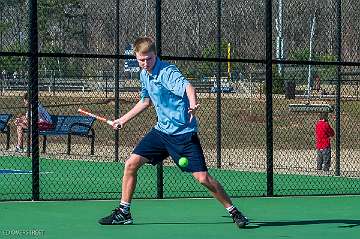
{"x": 110, "y": 122}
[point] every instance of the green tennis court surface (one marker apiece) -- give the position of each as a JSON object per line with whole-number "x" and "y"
{"x": 288, "y": 217}
{"x": 75, "y": 179}
{"x": 297, "y": 217}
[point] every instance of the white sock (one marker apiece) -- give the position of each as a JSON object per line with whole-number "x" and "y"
{"x": 125, "y": 206}
{"x": 231, "y": 209}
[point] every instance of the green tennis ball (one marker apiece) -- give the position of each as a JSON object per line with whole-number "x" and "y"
{"x": 183, "y": 162}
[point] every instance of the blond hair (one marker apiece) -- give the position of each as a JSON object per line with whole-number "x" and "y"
{"x": 144, "y": 45}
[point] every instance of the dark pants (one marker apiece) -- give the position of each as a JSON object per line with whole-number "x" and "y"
{"x": 323, "y": 160}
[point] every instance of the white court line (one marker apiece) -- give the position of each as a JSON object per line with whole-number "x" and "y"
{"x": 177, "y": 199}
{"x": 19, "y": 171}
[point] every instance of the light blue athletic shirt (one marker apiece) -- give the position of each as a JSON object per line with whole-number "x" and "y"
{"x": 166, "y": 88}
{"x": 43, "y": 114}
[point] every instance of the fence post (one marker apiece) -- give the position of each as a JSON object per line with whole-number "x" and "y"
{"x": 117, "y": 77}
{"x": 338, "y": 86}
{"x": 33, "y": 99}
{"x": 269, "y": 119}
{"x": 159, "y": 168}
{"x": 218, "y": 86}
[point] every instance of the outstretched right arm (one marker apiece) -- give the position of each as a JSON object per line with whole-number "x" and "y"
{"x": 137, "y": 109}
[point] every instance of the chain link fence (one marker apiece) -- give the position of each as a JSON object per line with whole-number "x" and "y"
{"x": 254, "y": 144}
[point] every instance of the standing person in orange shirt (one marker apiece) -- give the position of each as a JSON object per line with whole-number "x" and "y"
{"x": 323, "y": 133}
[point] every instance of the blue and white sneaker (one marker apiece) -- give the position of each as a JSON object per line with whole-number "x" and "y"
{"x": 239, "y": 219}
{"x": 117, "y": 217}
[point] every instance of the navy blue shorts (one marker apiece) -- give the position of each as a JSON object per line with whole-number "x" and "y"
{"x": 157, "y": 146}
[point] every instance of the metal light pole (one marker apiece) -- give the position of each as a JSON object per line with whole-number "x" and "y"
{"x": 279, "y": 37}
{"x": 146, "y": 16}
{"x": 312, "y": 31}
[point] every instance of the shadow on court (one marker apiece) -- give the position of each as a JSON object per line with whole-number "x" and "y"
{"x": 349, "y": 223}
{"x": 182, "y": 223}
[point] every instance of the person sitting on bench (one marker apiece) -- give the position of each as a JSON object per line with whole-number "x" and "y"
{"x": 44, "y": 123}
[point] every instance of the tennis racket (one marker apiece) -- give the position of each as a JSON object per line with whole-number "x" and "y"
{"x": 103, "y": 119}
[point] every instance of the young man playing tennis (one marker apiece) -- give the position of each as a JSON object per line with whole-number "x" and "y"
{"x": 175, "y": 133}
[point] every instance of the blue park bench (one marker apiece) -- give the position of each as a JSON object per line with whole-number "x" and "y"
{"x": 4, "y": 127}
{"x": 70, "y": 125}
